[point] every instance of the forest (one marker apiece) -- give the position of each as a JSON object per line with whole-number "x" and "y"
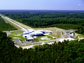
{"x": 5, "y": 26}
{"x": 61, "y": 19}
{"x": 65, "y": 52}
{"x": 42, "y": 19}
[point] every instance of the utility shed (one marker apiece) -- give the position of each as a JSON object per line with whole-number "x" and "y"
{"x": 29, "y": 38}
{"x": 69, "y": 33}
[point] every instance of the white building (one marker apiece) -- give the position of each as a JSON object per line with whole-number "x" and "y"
{"x": 30, "y": 34}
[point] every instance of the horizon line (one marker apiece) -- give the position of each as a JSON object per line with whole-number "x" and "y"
{"x": 38, "y": 10}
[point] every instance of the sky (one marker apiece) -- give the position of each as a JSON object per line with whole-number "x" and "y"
{"x": 41, "y": 4}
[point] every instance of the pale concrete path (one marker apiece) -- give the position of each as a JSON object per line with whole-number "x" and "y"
{"x": 15, "y": 23}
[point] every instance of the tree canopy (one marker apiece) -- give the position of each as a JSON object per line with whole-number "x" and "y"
{"x": 5, "y": 26}
{"x": 65, "y": 52}
{"x": 74, "y": 19}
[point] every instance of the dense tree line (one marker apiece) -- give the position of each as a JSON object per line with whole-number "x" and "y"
{"x": 65, "y": 52}
{"x": 5, "y": 26}
{"x": 74, "y": 19}
{"x": 61, "y": 19}
{"x": 81, "y": 30}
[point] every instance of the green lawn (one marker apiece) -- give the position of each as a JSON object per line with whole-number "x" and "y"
{"x": 46, "y": 38}
{"x": 17, "y": 35}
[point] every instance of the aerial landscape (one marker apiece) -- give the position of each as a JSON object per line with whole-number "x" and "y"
{"x": 42, "y": 31}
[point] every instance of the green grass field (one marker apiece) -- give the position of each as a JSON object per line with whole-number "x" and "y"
{"x": 17, "y": 35}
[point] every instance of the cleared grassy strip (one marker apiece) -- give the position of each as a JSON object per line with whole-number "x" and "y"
{"x": 11, "y": 23}
{"x": 7, "y": 21}
{"x": 25, "y": 26}
{"x": 79, "y": 36}
{"x": 66, "y": 26}
{"x": 5, "y": 26}
{"x": 14, "y": 23}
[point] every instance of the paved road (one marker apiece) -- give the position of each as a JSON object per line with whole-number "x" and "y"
{"x": 23, "y": 28}
{"x": 15, "y": 23}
